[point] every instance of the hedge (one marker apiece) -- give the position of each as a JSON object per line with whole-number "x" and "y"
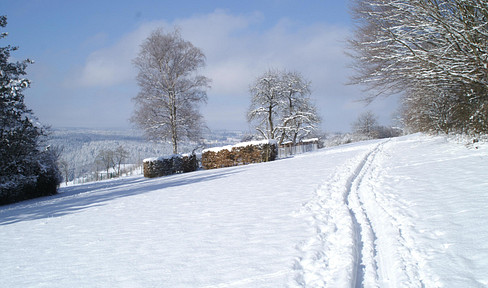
{"x": 26, "y": 188}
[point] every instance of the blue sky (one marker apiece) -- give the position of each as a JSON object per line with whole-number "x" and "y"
{"x": 83, "y": 76}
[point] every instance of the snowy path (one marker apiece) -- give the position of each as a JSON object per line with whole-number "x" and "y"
{"x": 406, "y": 212}
{"x": 367, "y": 233}
{"x": 382, "y": 261}
{"x": 365, "y": 268}
{"x": 343, "y": 250}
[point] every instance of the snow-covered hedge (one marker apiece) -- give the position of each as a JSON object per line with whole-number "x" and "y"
{"x": 34, "y": 179}
{"x": 239, "y": 154}
{"x": 168, "y": 165}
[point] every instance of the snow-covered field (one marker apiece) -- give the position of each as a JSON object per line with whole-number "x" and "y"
{"x": 405, "y": 212}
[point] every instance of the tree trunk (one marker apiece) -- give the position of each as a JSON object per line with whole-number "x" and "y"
{"x": 282, "y": 138}
{"x": 174, "y": 132}
{"x": 175, "y": 143}
{"x": 270, "y": 121}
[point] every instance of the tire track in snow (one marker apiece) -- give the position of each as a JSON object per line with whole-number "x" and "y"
{"x": 384, "y": 256}
{"x": 397, "y": 261}
{"x": 364, "y": 250}
{"x": 342, "y": 250}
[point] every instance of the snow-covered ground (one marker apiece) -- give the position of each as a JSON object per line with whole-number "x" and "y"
{"x": 405, "y": 212}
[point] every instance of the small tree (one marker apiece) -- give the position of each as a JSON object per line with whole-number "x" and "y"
{"x": 171, "y": 90}
{"x": 120, "y": 155}
{"x": 64, "y": 168}
{"x": 366, "y": 125}
{"x": 105, "y": 158}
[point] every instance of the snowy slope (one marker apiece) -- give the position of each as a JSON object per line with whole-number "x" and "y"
{"x": 405, "y": 212}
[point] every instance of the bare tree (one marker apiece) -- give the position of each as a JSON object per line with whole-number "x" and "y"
{"x": 171, "y": 90}
{"x": 105, "y": 158}
{"x": 120, "y": 154}
{"x": 281, "y": 107}
{"x": 366, "y": 125}
{"x": 299, "y": 115}
{"x": 64, "y": 168}
{"x": 437, "y": 47}
{"x": 265, "y": 102}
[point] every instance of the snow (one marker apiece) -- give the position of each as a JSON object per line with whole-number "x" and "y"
{"x": 403, "y": 212}
{"x": 170, "y": 156}
{"x": 241, "y": 144}
{"x": 161, "y": 158}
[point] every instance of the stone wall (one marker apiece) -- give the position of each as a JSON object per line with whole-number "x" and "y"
{"x": 239, "y": 154}
{"x": 169, "y": 165}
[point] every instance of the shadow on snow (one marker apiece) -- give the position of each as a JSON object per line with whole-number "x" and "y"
{"x": 74, "y": 199}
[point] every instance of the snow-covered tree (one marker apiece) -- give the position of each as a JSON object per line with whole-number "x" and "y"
{"x": 265, "y": 103}
{"x": 438, "y": 48}
{"x": 171, "y": 89}
{"x": 26, "y": 169}
{"x": 281, "y": 107}
{"x": 299, "y": 115}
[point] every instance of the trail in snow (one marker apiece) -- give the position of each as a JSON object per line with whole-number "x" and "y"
{"x": 350, "y": 223}
{"x": 334, "y": 255}
{"x": 363, "y": 235}
{"x": 394, "y": 258}
{"x": 384, "y": 257}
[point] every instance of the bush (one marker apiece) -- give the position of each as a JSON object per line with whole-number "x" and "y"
{"x": 44, "y": 181}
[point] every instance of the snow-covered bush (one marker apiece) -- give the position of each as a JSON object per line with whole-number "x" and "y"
{"x": 41, "y": 179}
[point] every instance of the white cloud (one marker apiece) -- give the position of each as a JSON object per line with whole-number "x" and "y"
{"x": 113, "y": 65}
{"x": 238, "y": 49}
